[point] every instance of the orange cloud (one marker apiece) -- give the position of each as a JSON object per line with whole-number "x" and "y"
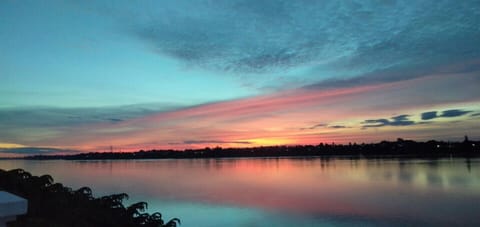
{"x": 278, "y": 118}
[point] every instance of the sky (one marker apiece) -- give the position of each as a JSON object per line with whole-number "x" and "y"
{"x": 80, "y": 76}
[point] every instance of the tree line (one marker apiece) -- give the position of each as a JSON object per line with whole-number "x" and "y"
{"x": 400, "y": 148}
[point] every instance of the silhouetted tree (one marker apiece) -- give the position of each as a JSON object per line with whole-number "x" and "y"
{"x": 52, "y": 204}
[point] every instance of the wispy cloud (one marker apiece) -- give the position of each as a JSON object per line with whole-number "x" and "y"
{"x": 214, "y": 142}
{"x": 34, "y": 151}
{"x": 337, "y": 126}
{"x": 55, "y": 116}
{"x": 315, "y": 126}
{"x": 322, "y": 125}
{"x": 115, "y": 120}
{"x": 361, "y": 38}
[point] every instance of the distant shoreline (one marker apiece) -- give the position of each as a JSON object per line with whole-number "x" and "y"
{"x": 400, "y": 149}
{"x": 321, "y": 157}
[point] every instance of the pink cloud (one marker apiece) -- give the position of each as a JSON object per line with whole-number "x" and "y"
{"x": 277, "y": 118}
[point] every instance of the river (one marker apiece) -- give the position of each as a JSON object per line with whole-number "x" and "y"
{"x": 284, "y": 191}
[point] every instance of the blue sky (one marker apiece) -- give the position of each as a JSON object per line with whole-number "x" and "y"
{"x": 128, "y": 60}
{"x": 93, "y": 60}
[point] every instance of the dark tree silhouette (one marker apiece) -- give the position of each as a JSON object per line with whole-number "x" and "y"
{"x": 52, "y": 204}
{"x": 401, "y": 148}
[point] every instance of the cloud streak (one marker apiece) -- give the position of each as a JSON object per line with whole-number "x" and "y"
{"x": 315, "y": 126}
{"x": 444, "y": 114}
{"x": 322, "y": 125}
{"x": 277, "y": 118}
{"x": 55, "y": 116}
{"x": 35, "y": 151}
{"x": 214, "y": 142}
{"x": 454, "y": 113}
{"x": 400, "y": 120}
{"x": 338, "y": 126}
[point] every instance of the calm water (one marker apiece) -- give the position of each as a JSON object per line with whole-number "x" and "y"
{"x": 285, "y": 192}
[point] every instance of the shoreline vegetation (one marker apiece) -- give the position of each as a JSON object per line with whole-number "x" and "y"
{"x": 386, "y": 149}
{"x": 52, "y": 204}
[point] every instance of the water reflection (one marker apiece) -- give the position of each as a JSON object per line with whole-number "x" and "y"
{"x": 391, "y": 192}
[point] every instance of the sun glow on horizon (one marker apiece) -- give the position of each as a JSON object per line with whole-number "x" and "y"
{"x": 270, "y": 141}
{"x": 11, "y": 145}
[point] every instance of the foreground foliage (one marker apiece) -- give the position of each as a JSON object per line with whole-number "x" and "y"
{"x": 52, "y": 204}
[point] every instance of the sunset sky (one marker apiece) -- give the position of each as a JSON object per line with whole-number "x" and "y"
{"x": 87, "y": 75}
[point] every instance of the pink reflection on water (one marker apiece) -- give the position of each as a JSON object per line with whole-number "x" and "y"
{"x": 435, "y": 192}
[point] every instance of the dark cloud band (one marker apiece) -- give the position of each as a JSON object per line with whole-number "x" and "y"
{"x": 447, "y": 113}
{"x": 214, "y": 142}
{"x": 400, "y": 120}
{"x": 246, "y": 36}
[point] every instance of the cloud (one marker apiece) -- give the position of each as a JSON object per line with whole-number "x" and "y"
{"x": 61, "y": 117}
{"x": 270, "y": 117}
{"x": 403, "y": 120}
{"x": 340, "y": 38}
{"x": 115, "y": 120}
{"x": 214, "y": 142}
{"x": 322, "y": 125}
{"x": 400, "y": 120}
{"x": 315, "y": 126}
{"x": 395, "y": 74}
{"x": 447, "y": 113}
{"x": 225, "y": 36}
{"x": 454, "y": 113}
{"x": 34, "y": 150}
{"x": 337, "y": 126}
{"x": 429, "y": 115}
